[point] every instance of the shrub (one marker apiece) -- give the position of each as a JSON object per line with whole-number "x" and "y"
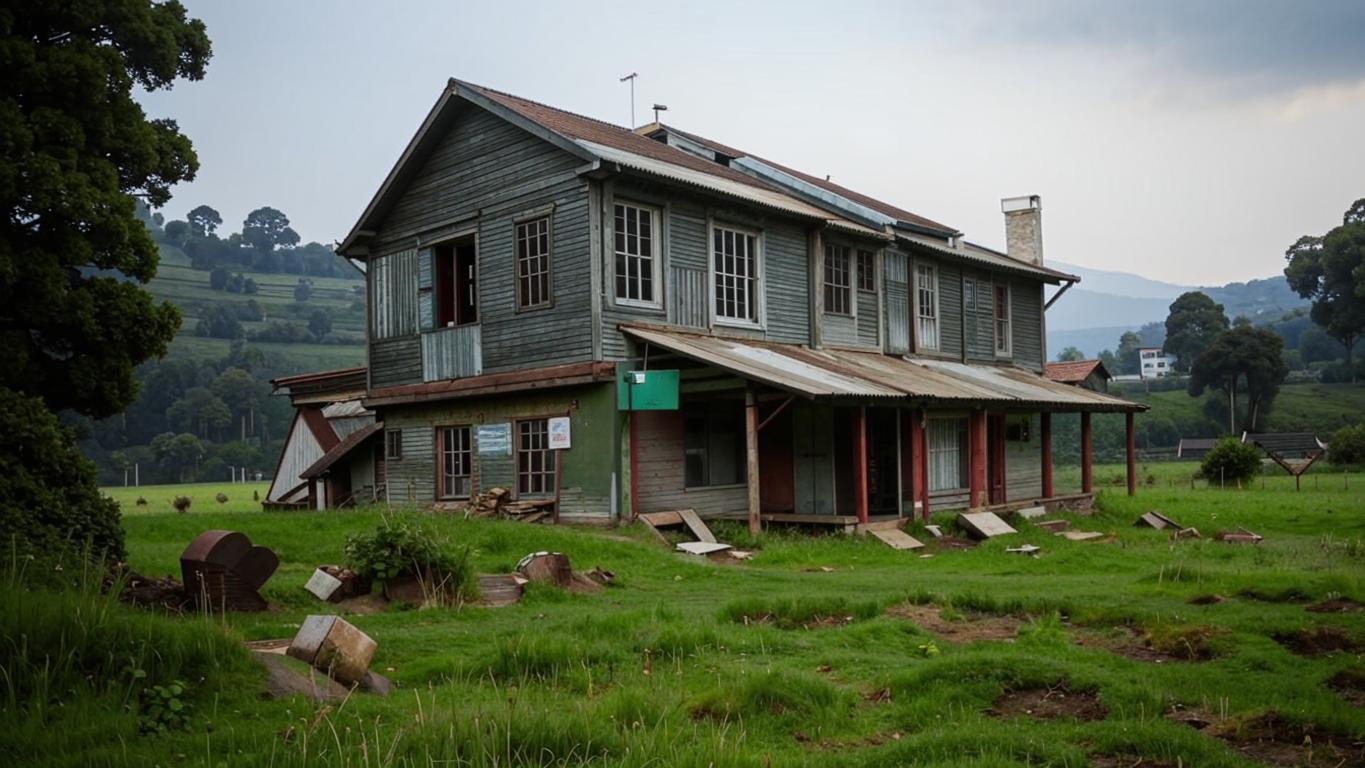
{"x": 1347, "y": 445}
{"x": 1231, "y": 461}
{"x": 403, "y": 548}
{"x": 182, "y": 504}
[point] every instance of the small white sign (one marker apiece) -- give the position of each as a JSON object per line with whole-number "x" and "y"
{"x": 559, "y": 433}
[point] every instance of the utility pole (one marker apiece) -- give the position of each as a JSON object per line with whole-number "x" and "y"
{"x": 631, "y": 77}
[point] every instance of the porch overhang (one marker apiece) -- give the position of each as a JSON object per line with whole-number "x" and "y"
{"x": 841, "y": 374}
{"x": 570, "y": 374}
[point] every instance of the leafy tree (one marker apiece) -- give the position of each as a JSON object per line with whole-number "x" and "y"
{"x": 199, "y": 410}
{"x": 203, "y": 221}
{"x": 1316, "y": 346}
{"x": 1246, "y": 357}
{"x": 177, "y": 454}
{"x": 1070, "y": 355}
{"x": 303, "y": 290}
{"x": 1193, "y": 323}
{"x": 267, "y": 228}
{"x": 319, "y": 324}
{"x": 1129, "y": 344}
{"x": 77, "y": 149}
{"x": 1330, "y": 270}
{"x": 242, "y": 393}
{"x": 249, "y": 287}
{"x": 178, "y": 233}
{"x": 234, "y": 283}
{"x": 218, "y": 279}
{"x": 1111, "y": 362}
{"x": 219, "y": 322}
{"x": 1230, "y": 461}
{"x": 1347, "y": 445}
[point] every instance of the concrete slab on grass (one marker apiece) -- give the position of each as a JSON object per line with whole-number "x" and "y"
{"x": 984, "y": 525}
{"x": 897, "y": 539}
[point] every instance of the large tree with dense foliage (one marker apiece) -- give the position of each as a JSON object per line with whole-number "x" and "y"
{"x": 1193, "y": 323}
{"x": 1070, "y": 355}
{"x": 77, "y": 155}
{"x": 1330, "y": 270}
{"x": 1247, "y": 360}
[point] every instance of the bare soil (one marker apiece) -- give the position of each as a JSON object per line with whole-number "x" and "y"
{"x": 973, "y": 626}
{"x": 1048, "y": 704}
{"x": 1206, "y": 599}
{"x": 1127, "y": 761}
{"x": 1318, "y": 641}
{"x": 953, "y": 542}
{"x": 1336, "y": 605}
{"x": 1291, "y": 595}
{"x": 1272, "y": 740}
{"x": 1349, "y": 685}
{"x": 165, "y": 594}
{"x": 1125, "y": 641}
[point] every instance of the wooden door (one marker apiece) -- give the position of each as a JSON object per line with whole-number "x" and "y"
{"x": 812, "y": 443}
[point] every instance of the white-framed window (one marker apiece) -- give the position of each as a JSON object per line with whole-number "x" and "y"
{"x": 636, "y": 247}
{"x": 947, "y": 448}
{"x": 926, "y": 306}
{"x": 457, "y": 462}
{"x": 1004, "y": 341}
{"x": 838, "y": 293}
{"x": 735, "y": 275}
{"x": 533, "y": 262}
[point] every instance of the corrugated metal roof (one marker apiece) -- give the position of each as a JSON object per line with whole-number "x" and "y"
{"x": 835, "y": 373}
{"x": 977, "y": 253}
{"x": 346, "y": 409}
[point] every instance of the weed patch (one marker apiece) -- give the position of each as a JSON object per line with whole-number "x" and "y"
{"x": 1272, "y": 740}
{"x": 1188, "y": 642}
{"x": 800, "y": 612}
{"x": 955, "y": 626}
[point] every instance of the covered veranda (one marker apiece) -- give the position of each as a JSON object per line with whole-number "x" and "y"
{"x": 852, "y": 438}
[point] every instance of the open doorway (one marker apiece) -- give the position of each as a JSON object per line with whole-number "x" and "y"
{"x": 456, "y": 283}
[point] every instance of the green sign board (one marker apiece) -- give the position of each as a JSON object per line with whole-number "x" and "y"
{"x": 646, "y": 390}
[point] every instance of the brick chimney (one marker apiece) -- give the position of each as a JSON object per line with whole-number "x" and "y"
{"x": 1024, "y": 228}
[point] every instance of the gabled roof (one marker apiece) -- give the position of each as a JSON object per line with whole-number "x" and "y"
{"x": 321, "y": 386}
{"x": 341, "y": 450}
{"x": 1074, "y": 371}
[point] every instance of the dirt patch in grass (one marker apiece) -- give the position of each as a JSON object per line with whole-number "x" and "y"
{"x": 1290, "y": 595}
{"x": 1127, "y": 761}
{"x": 1318, "y": 641}
{"x": 1206, "y": 600}
{"x": 1336, "y": 605}
{"x": 1125, "y": 641}
{"x": 953, "y": 542}
{"x": 1349, "y": 684}
{"x": 1272, "y": 740}
{"x": 968, "y": 628}
{"x": 1048, "y": 704}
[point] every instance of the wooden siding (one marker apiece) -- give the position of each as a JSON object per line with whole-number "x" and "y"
{"x": 867, "y": 318}
{"x": 301, "y": 450}
{"x": 978, "y": 330}
{"x": 950, "y": 309}
{"x": 412, "y": 479}
{"x": 395, "y": 361}
{"x": 1026, "y": 318}
{"x": 897, "y": 308}
{"x": 1023, "y": 461}
{"x": 659, "y": 467}
{"x": 451, "y": 353}
{"x": 839, "y": 329}
{"x": 393, "y": 294}
{"x": 687, "y": 296}
{"x": 786, "y": 269}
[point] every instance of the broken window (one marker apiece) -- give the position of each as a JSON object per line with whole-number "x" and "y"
{"x": 457, "y": 461}
{"x": 636, "y": 248}
{"x": 533, "y": 262}
{"x": 838, "y": 300}
{"x": 535, "y": 461}
{"x": 735, "y": 271}
{"x": 713, "y": 443}
{"x": 456, "y": 288}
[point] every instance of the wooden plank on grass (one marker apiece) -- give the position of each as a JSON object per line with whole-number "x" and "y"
{"x": 1081, "y": 535}
{"x": 1156, "y": 520}
{"x": 984, "y": 525}
{"x": 662, "y": 519}
{"x": 701, "y": 547}
{"x": 897, "y": 539}
{"x": 699, "y": 528}
{"x": 1053, "y": 525}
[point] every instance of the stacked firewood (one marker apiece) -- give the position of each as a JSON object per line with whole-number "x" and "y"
{"x": 497, "y": 502}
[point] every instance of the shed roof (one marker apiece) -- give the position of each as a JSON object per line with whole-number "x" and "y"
{"x": 1284, "y": 442}
{"x": 341, "y": 450}
{"x": 1074, "y": 371}
{"x": 322, "y": 386}
{"x": 838, "y": 373}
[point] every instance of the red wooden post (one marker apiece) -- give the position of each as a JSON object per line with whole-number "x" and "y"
{"x": 915, "y": 421}
{"x": 1087, "y": 484}
{"x": 976, "y": 466}
{"x": 921, "y": 464}
{"x": 1132, "y": 453}
{"x": 1045, "y": 445}
{"x": 860, "y": 463}
{"x": 751, "y": 459}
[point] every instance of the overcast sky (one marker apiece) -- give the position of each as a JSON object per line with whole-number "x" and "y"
{"x": 1185, "y": 141}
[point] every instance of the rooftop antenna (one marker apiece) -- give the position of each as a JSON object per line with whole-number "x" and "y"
{"x": 657, "y": 109}
{"x": 631, "y": 77}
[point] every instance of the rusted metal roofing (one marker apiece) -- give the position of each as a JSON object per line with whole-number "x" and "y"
{"x": 568, "y": 374}
{"x": 839, "y": 373}
{"x": 341, "y": 450}
{"x": 1074, "y": 371}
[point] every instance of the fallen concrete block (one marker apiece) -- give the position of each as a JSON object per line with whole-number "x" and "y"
{"x": 934, "y": 531}
{"x": 984, "y": 525}
{"x": 1241, "y": 536}
{"x": 334, "y": 645}
{"x": 1187, "y": 533}
{"x": 1081, "y": 535}
{"x": 897, "y": 539}
{"x": 1053, "y": 525}
{"x": 323, "y": 585}
{"x": 548, "y": 567}
{"x": 701, "y": 547}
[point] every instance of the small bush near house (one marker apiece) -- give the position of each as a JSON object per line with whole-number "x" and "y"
{"x": 1231, "y": 461}
{"x": 1347, "y": 445}
{"x": 403, "y": 548}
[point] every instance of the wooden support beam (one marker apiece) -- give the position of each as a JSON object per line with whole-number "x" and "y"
{"x": 976, "y": 465}
{"x": 1132, "y": 453}
{"x": 776, "y": 411}
{"x": 921, "y": 448}
{"x": 1087, "y": 474}
{"x": 1045, "y": 445}
{"x": 751, "y": 454}
{"x": 860, "y": 463}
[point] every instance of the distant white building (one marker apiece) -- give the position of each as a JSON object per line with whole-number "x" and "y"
{"x": 1155, "y": 364}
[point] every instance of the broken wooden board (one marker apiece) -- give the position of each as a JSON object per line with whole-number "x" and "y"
{"x": 697, "y": 527}
{"x": 1155, "y": 519}
{"x": 500, "y": 589}
{"x": 661, "y": 519}
{"x": 934, "y": 531}
{"x": 1025, "y": 549}
{"x": 701, "y": 547}
{"x": 984, "y": 525}
{"x": 1053, "y": 525}
{"x": 897, "y": 539}
{"x": 1241, "y": 536}
{"x": 1081, "y": 535}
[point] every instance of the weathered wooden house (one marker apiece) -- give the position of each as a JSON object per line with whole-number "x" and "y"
{"x": 531, "y": 270}
{"x": 330, "y": 456}
{"x": 1090, "y": 374}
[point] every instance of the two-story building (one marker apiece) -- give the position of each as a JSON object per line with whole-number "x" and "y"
{"x": 836, "y": 357}
{"x": 1155, "y": 363}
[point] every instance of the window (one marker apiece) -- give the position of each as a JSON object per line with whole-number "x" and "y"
{"x": 837, "y": 298}
{"x": 456, "y": 285}
{"x": 947, "y": 441}
{"x": 713, "y": 443}
{"x": 637, "y": 261}
{"x": 926, "y": 306}
{"x": 968, "y": 293}
{"x": 735, "y": 271}
{"x": 1003, "y": 342}
{"x": 867, "y": 271}
{"x": 535, "y": 460}
{"x": 393, "y": 444}
{"x": 533, "y": 263}
{"x": 456, "y": 462}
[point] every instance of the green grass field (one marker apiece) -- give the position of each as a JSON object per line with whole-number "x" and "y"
{"x": 823, "y": 650}
{"x": 1322, "y": 408}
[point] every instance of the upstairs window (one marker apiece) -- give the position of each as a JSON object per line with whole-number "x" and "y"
{"x": 637, "y": 255}
{"x": 867, "y": 271}
{"x": 837, "y": 298}
{"x": 533, "y": 262}
{"x": 734, "y": 255}
{"x": 926, "y": 306}
{"x": 456, "y": 284}
{"x": 1003, "y": 341}
{"x": 457, "y": 461}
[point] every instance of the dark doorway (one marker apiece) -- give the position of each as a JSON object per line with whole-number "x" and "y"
{"x": 456, "y": 282}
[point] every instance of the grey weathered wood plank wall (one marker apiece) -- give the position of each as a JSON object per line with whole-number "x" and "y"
{"x": 660, "y": 481}
{"x": 897, "y": 314}
{"x": 1024, "y": 462}
{"x": 1026, "y": 317}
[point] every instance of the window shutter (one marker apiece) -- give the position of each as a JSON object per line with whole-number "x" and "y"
{"x": 426, "y": 306}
